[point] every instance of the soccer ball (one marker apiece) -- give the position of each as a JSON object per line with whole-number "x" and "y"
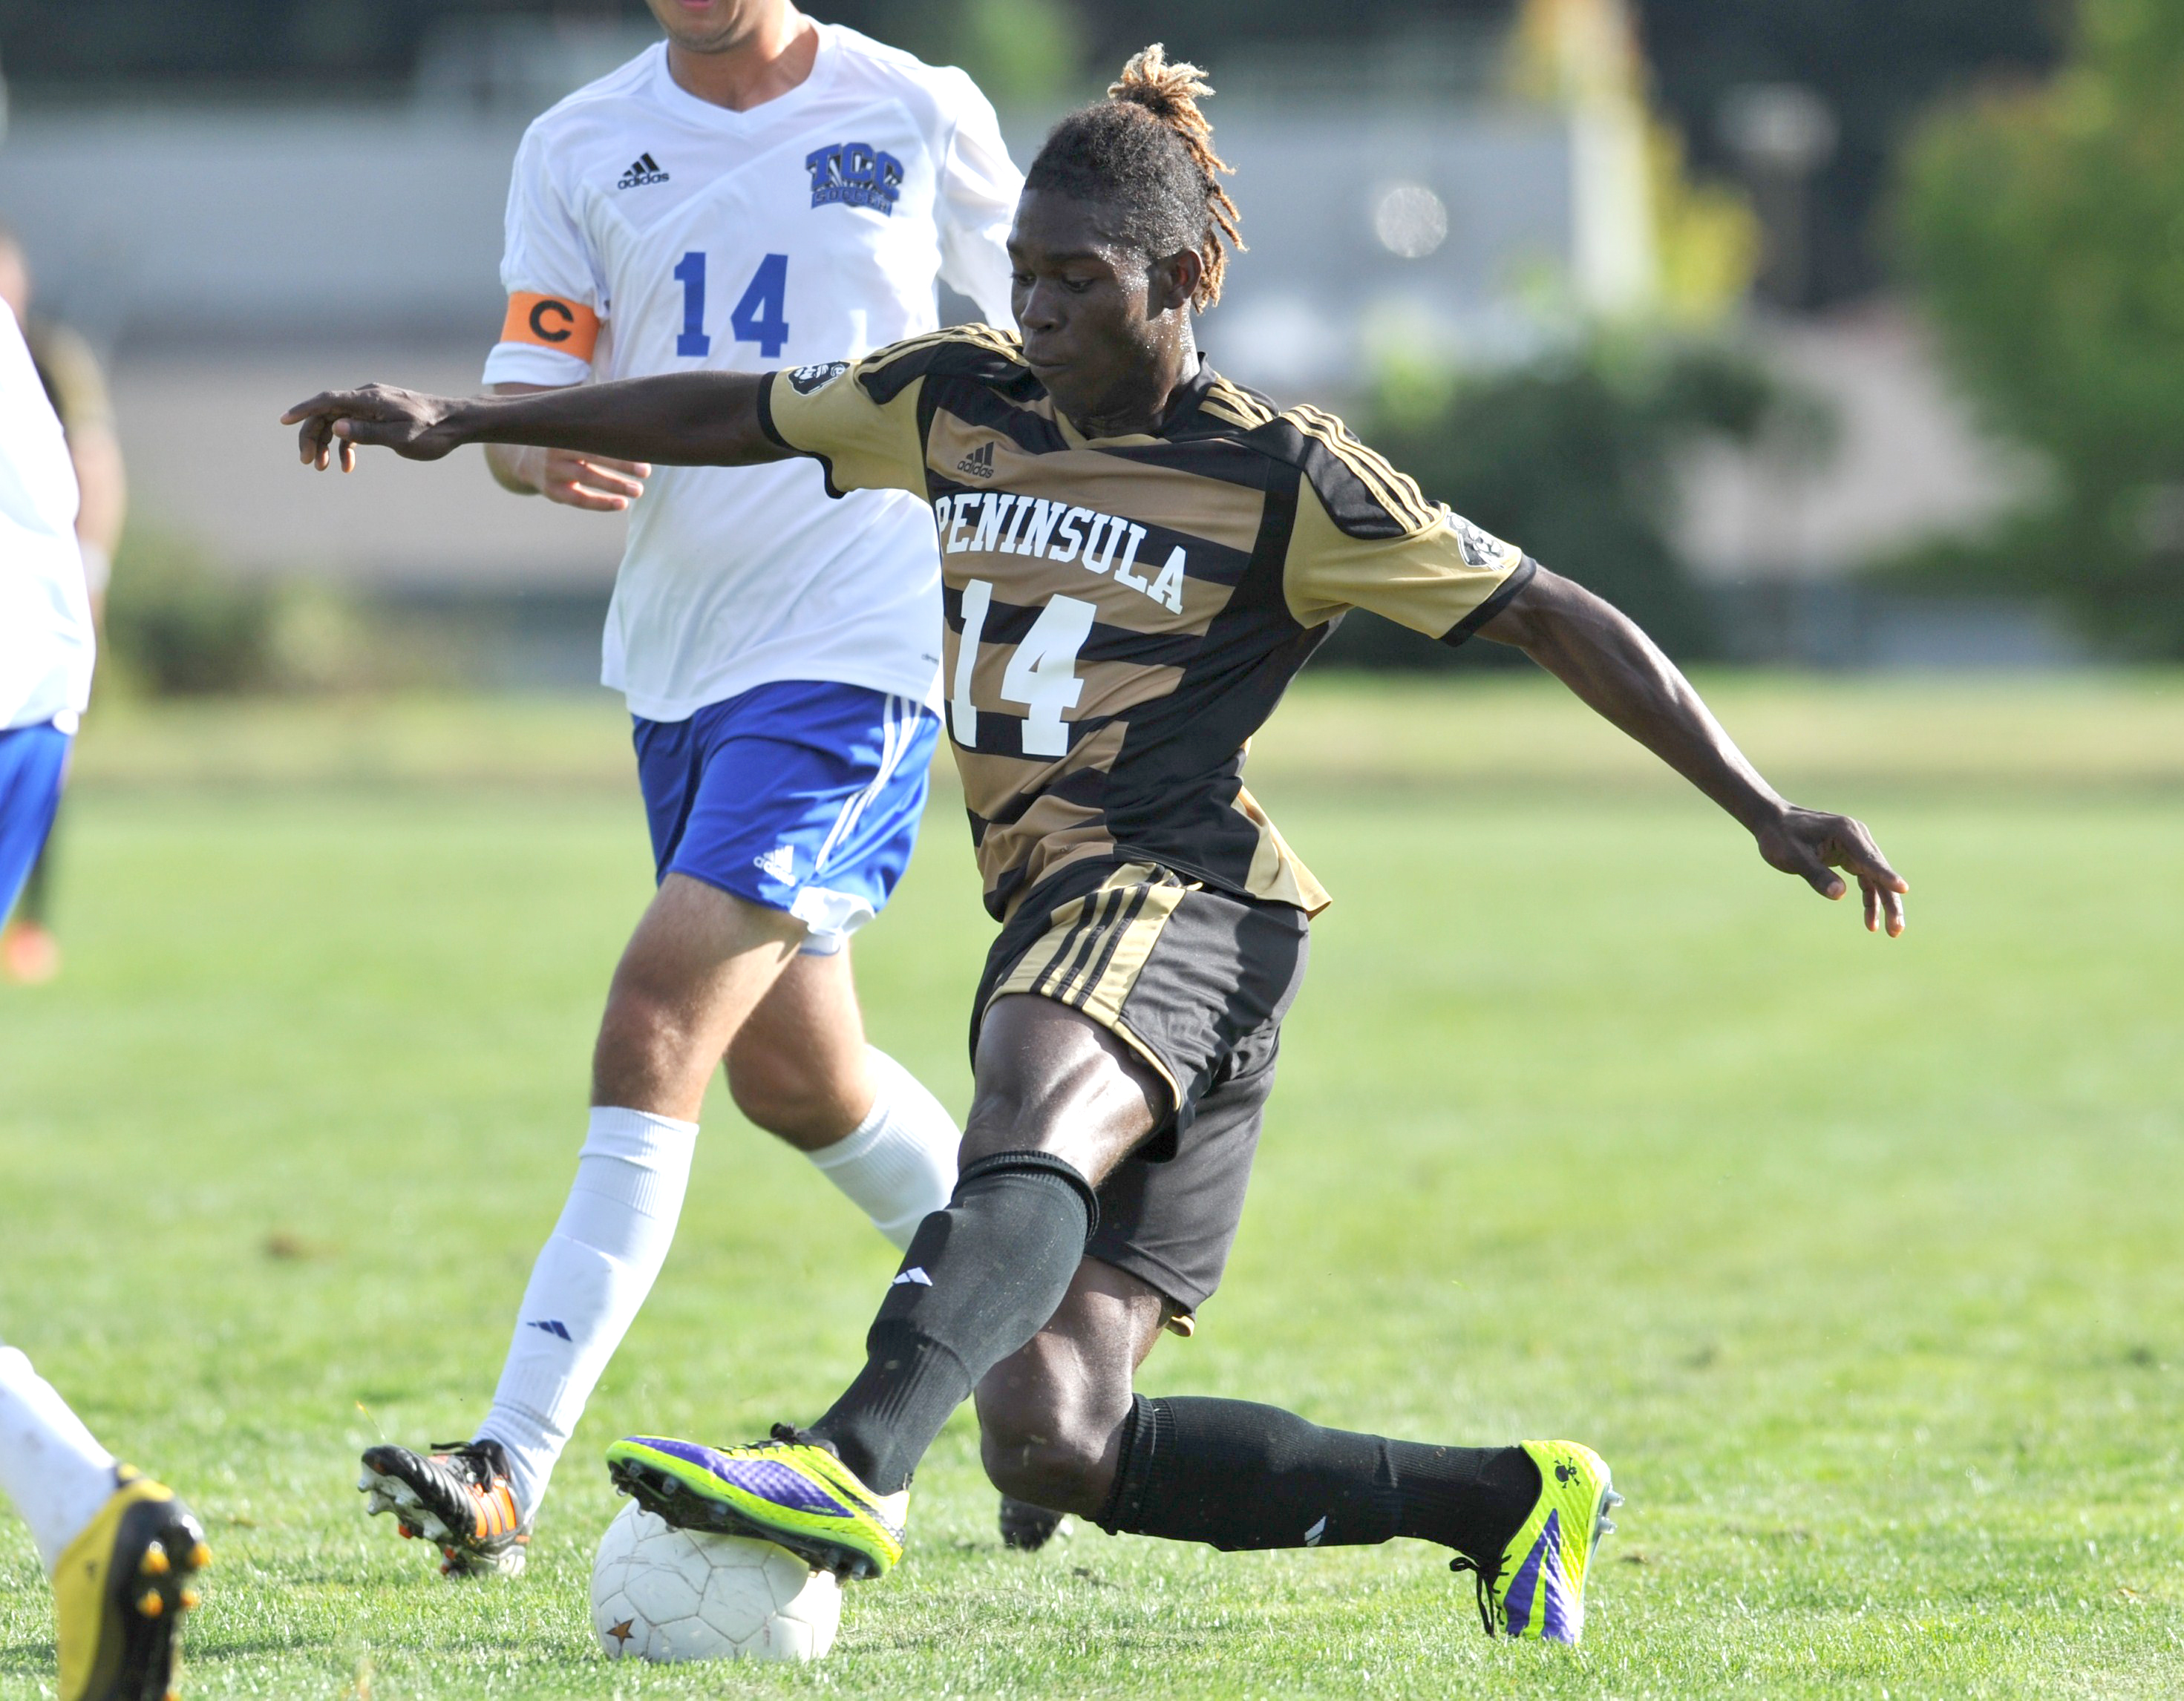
{"x": 664, "y": 1594}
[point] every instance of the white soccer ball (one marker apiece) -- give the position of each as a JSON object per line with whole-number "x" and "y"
{"x": 664, "y": 1594}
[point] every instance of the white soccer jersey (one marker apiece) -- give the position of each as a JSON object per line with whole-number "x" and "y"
{"x": 45, "y": 643}
{"x": 651, "y": 231}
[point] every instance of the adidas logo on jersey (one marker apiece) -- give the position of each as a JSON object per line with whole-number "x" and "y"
{"x": 980, "y": 462}
{"x": 1000, "y": 522}
{"x": 777, "y": 864}
{"x": 854, "y": 174}
{"x": 643, "y": 169}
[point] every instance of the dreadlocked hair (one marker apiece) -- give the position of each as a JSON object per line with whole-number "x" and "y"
{"x": 1148, "y": 151}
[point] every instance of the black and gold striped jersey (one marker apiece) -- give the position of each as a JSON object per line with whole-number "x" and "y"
{"x": 1124, "y": 613}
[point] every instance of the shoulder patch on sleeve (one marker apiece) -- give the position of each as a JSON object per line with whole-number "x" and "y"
{"x": 807, "y": 378}
{"x": 1480, "y": 548}
{"x": 970, "y": 351}
{"x": 1362, "y": 493}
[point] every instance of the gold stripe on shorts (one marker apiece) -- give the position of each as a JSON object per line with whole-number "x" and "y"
{"x": 1095, "y": 947}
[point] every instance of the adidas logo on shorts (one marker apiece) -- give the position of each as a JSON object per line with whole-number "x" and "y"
{"x": 777, "y": 864}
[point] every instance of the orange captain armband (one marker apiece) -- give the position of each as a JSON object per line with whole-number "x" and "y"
{"x": 551, "y": 321}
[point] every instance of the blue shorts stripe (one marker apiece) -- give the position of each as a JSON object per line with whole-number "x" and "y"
{"x": 896, "y": 737}
{"x": 800, "y": 796}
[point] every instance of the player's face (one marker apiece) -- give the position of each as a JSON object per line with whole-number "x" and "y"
{"x": 713, "y": 27}
{"x": 1100, "y": 321}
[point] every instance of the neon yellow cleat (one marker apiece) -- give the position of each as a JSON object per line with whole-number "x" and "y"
{"x": 120, "y": 1591}
{"x": 787, "y": 1491}
{"x": 1537, "y": 1588}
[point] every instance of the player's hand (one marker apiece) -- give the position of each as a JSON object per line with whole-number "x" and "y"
{"x": 413, "y": 426}
{"x": 1813, "y": 845}
{"x": 597, "y": 483}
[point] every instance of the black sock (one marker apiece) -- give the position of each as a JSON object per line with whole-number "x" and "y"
{"x": 980, "y": 1279}
{"x": 1241, "y": 1476}
{"x": 1471, "y": 1498}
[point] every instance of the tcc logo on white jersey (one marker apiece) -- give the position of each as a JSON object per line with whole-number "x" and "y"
{"x": 854, "y": 174}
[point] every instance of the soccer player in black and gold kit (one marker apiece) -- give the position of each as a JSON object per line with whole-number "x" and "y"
{"x": 1137, "y": 556}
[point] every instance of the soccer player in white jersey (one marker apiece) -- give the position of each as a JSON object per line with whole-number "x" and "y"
{"x": 120, "y": 1547}
{"x": 758, "y": 189}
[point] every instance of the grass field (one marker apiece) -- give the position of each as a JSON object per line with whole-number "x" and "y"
{"x": 1860, "y": 1261}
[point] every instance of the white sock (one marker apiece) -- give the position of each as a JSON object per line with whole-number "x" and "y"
{"x": 52, "y": 1468}
{"x": 591, "y": 1278}
{"x": 897, "y": 1166}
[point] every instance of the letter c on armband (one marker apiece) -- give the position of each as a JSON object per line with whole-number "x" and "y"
{"x": 544, "y": 311}
{"x": 551, "y": 321}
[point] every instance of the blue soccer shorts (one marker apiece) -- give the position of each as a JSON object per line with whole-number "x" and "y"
{"x": 33, "y": 763}
{"x": 801, "y": 795}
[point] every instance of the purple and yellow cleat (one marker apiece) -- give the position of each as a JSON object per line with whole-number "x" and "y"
{"x": 1537, "y": 1588}
{"x": 791, "y": 1491}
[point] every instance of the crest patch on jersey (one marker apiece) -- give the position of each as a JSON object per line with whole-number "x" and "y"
{"x": 1479, "y": 548}
{"x": 807, "y": 378}
{"x": 854, "y": 174}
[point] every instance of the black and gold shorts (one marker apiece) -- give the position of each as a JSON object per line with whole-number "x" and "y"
{"x": 1195, "y": 980}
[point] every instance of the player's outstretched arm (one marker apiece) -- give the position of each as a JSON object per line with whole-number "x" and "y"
{"x": 597, "y": 483}
{"x": 1599, "y": 652}
{"x": 682, "y": 419}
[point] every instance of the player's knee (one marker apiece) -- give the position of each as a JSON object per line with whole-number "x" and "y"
{"x": 797, "y": 1098}
{"x": 1046, "y": 1460}
{"x": 1045, "y": 1442}
{"x": 636, "y": 1020}
{"x": 643, "y": 1046}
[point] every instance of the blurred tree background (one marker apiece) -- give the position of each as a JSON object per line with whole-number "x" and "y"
{"x": 1876, "y": 63}
{"x": 1572, "y": 457}
{"x": 2017, "y": 165}
{"x": 2044, "y": 226}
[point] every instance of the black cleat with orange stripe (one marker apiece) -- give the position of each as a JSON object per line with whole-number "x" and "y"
{"x": 1026, "y": 1527}
{"x": 457, "y": 1497}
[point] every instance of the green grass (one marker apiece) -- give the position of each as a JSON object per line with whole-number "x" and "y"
{"x": 1857, "y": 1259}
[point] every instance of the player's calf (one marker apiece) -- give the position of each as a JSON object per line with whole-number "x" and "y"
{"x": 1526, "y": 1518}
{"x": 1052, "y": 1414}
